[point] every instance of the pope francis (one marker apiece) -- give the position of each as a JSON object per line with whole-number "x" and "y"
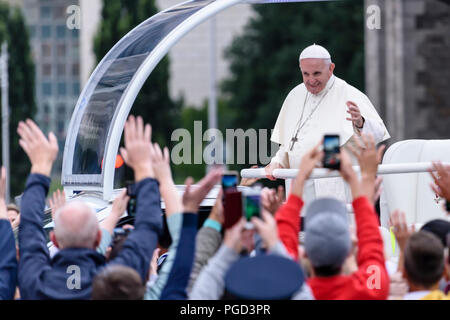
{"x": 322, "y": 104}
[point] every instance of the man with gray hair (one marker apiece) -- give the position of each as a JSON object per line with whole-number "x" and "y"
{"x": 69, "y": 274}
{"x": 322, "y": 104}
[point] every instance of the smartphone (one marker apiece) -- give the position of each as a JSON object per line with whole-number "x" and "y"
{"x": 232, "y": 208}
{"x": 447, "y": 205}
{"x": 251, "y": 205}
{"x": 331, "y": 148}
{"x": 229, "y": 181}
{"x": 131, "y": 206}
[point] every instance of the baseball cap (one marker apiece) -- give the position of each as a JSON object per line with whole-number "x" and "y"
{"x": 327, "y": 235}
{"x": 264, "y": 277}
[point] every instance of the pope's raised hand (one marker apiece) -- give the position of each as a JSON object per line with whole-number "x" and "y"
{"x": 355, "y": 114}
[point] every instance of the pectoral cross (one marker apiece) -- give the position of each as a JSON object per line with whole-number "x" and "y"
{"x": 293, "y": 141}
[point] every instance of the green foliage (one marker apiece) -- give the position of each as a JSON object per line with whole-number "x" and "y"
{"x": 21, "y": 89}
{"x": 188, "y": 116}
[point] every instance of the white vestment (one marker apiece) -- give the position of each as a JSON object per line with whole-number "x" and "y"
{"x": 324, "y": 113}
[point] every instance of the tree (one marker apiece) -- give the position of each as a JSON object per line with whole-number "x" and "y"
{"x": 21, "y": 89}
{"x": 153, "y": 102}
{"x": 264, "y": 60}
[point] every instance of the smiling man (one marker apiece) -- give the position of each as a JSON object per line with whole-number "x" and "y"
{"x": 322, "y": 104}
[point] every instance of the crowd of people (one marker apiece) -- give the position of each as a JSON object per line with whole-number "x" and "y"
{"x": 92, "y": 260}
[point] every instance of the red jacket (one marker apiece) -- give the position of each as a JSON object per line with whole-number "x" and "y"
{"x": 371, "y": 281}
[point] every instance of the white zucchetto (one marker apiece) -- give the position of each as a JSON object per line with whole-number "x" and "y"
{"x": 315, "y": 52}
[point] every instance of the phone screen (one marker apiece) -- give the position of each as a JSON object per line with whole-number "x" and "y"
{"x": 229, "y": 181}
{"x": 252, "y": 206}
{"x": 331, "y": 149}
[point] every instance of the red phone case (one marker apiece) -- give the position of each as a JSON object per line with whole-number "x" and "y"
{"x": 232, "y": 208}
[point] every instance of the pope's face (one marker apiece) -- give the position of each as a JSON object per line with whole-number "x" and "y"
{"x": 316, "y": 73}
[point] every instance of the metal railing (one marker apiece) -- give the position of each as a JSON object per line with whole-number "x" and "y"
{"x": 318, "y": 173}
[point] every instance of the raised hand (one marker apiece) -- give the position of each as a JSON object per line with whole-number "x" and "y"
{"x": 57, "y": 201}
{"x": 193, "y": 196}
{"x": 233, "y": 236}
{"x": 217, "y": 211}
{"x": 346, "y": 168}
{"x": 161, "y": 164}
{"x": 378, "y": 189}
{"x": 118, "y": 209}
{"x": 397, "y": 221}
{"x": 41, "y": 151}
{"x": 267, "y": 228}
{"x": 368, "y": 156}
{"x": 271, "y": 199}
{"x": 138, "y": 148}
{"x": 355, "y": 114}
{"x": 309, "y": 161}
{"x": 161, "y": 167}
{"x": 154, "y": 262}
{"x": 441, "y": 178}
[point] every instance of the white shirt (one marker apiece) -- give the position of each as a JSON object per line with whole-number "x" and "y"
{"x": 323, "y": 113}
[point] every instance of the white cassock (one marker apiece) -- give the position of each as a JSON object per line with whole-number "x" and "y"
{"x": 324, "y": 113}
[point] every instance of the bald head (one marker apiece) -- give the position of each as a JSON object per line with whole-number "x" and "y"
{"x": 76, "y": 226}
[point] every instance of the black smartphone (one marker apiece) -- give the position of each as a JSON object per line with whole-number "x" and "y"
{"x": 229, "y": 181}
{"x": 447, "y": 205}
{"x": 331, "y": 148}
{"x": 131, "y": 206}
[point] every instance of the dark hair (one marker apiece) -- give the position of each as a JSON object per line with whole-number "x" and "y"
{"x": 117, "y": 282}
{"x": 424, "y": 259}
{"x": 439, "y": 227}
{"x": 327, "y": 271}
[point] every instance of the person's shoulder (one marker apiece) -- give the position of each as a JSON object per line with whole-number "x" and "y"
{"x": 351, "y": 89}
{"x": 297, "y": 90}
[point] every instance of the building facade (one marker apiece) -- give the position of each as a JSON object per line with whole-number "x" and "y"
{"x": 408, "y": 67}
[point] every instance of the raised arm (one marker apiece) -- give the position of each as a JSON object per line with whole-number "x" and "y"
{"x": 169, "y": 193}
{"x": 182, "y": 265}
{"x": 138, "y": 249}
{"x": 8, "y": 262}
{"x": 368, "y": 159}
{"x": 371, "y": 274}
{"x": 42, "y": 152}
{"x": 288, "y": 216}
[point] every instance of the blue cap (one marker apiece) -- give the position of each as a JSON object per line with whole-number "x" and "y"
{"x": 264, "y": 277}
{"x": 327, "y": 235}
